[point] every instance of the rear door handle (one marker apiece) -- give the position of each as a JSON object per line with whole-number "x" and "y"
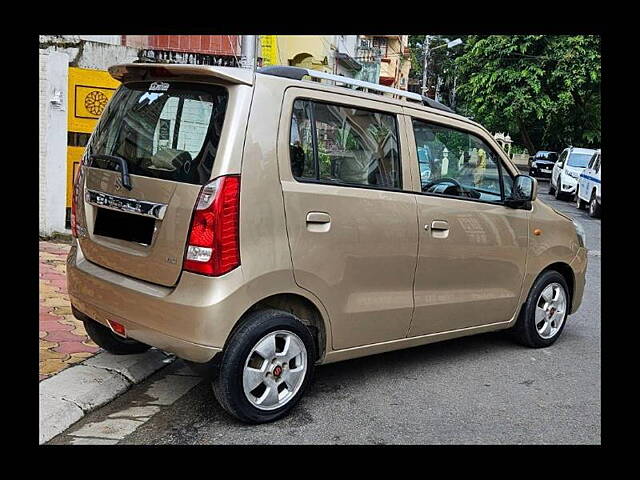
{"x": 318, "y": 217}
{"x": 439, "y": 225}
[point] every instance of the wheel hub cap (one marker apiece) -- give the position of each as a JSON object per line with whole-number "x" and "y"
{"x": 274, "y": 370}
{"x": 550, "y": 310}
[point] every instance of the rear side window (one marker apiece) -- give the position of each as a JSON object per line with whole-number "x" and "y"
{"x": 343, "y": 145}
{"x": 164, "y": 130}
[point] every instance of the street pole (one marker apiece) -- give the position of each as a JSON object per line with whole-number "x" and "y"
{"x": 248, "y": 51}
{"x": 425, "y": 52}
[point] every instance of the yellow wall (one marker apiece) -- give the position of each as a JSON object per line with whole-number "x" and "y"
{"x": 269, "y": 50}
{"x": 319, "y": 47}
{"x": 89, "y": 90}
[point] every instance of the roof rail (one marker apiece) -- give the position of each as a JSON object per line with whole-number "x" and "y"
{"x": 297, "y": 73}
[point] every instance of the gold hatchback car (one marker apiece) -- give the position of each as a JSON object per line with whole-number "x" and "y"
{"x": 262, "y": 223}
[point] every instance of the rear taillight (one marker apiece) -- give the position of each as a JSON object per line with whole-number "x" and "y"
{"x": 213, "y": 247}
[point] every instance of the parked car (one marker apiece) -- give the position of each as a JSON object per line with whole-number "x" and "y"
{"x": 589, "y": 191}
{"x": 570, "y": 164}
{"x": 541, "y": 164}
{"x": 260, "y": 224}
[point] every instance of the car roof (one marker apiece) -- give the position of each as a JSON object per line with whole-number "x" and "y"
{"x": 582, "y": 150}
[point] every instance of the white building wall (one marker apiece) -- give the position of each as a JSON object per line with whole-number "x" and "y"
{"x": 346, "y": 44}
{"x": 110, "y": 39}
{"x": 42, "y": 135}
{"x": 53, "y": 86}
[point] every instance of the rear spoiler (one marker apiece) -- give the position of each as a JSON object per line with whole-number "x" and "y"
{"x": 128, "y": 72}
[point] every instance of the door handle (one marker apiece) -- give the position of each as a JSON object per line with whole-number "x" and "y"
{"x": 439, "y": 225}
{"x": 318, "y": 217}
{"x": 439, "y": 229}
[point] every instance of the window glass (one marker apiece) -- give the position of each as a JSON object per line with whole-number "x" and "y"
{"x": 300, "y": 142}
{"x": 171, "y": 134}
{"x": 543, "y": 155}
{"x": 351, "y": 146}
{"x": 579, "y": 160}
{"x": 457, "y": 163}
{"x": 592, "y": 161}
{"x": 562, "y": 158}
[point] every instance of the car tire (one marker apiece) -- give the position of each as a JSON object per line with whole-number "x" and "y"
{"x": 594, "y": 206}
{"x": 580, "y": 204}
{"x": 557, "y": 193}
{"x": 534, "y": 330}
{"x": 249, "y": 375}
{"x": 552, "y": 190}
{"x": 112, "y": 343}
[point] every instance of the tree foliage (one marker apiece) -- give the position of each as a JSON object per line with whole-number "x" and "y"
{"x": 543, "y": 89}
{"x": 546, "y": 88}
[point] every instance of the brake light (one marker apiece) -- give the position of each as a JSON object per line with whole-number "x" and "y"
{"x": 213, "y": 247}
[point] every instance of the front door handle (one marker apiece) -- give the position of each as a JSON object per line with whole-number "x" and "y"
{"x": 439, "y": 225}
{"x": 318, "y": 222}
{"x": 318, "y": 217}
{"x": 439, "y": 229}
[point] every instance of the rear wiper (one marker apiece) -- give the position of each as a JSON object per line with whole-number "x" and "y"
{"x": 124, "y": 168}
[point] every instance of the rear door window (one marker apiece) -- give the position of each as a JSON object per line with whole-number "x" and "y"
{"x": 338, "y": 144}
{"x": 163, "y": 130}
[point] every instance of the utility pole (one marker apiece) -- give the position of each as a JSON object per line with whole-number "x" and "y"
{"x": 248, "y": 49}
{"x": 425, "y": 53}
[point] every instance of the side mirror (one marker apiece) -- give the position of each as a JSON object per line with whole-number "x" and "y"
{"x": 525, "y": 190}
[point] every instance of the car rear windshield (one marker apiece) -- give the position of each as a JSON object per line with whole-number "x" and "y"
{"x": 163, "y": 130}
{"x": 580, "y": 160}
{"x": 552, "y": 156}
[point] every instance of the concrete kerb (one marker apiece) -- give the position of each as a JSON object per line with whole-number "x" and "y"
{"x": 68, "y": 396}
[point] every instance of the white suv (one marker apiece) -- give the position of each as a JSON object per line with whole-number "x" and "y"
{"x": 567, "y": 170}
{"x": 589, "y": 189}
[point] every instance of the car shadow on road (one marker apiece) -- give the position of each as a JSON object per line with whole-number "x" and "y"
{"x": 407, "y": 359}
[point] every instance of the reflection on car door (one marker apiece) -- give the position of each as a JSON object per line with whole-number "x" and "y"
{"x": 353, "y": 244}
{"x": 471, "y": 256}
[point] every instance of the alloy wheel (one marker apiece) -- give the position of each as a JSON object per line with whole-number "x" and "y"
{"x": 274, "y": 370}
{"x": 551, "y": 309}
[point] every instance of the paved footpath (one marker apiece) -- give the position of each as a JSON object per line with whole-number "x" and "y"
{"x": 63, "y": 339}
{"x": 97, "y": 377}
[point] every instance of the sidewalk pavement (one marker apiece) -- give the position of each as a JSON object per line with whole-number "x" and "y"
{"x": 63, "y": 339}
{"x": 95, "y": 377}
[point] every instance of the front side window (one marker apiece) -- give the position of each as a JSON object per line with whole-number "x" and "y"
{"x": 170, "y": 133}
{"x": 597, "y": 165}
{"x": 343, "y": 145}
{"x": 458, "y": 164}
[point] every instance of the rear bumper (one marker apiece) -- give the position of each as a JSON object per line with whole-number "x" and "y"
{"x": 579, "y": 267}
{"x": 191, "y": 320}
{"x": 536, "y": 172}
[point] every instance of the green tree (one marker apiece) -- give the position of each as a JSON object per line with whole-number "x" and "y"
{"x": 544, "y": 87}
